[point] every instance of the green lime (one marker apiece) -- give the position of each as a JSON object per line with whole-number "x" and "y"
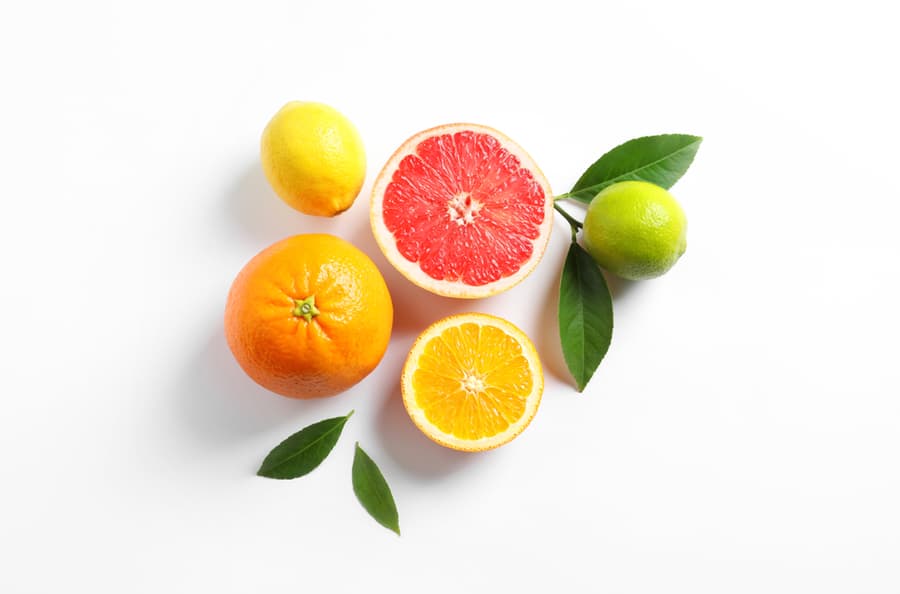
{"x": 635, "y": 229}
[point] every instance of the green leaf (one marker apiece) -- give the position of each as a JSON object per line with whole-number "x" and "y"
{"x": 661, "y": 160}
{"x": 373, "y": 492}
{"x": 585, "y": 315}
{"x": 303, "y": 451}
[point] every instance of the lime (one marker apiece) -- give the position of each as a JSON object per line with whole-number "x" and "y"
{"x": 314, "y": 158}
{"x": 635, "y": 229}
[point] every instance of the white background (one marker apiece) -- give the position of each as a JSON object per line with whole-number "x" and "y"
{"x": 741, "y": 435}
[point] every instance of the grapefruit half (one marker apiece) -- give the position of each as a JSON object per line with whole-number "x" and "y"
{"x": 462, "y": 211}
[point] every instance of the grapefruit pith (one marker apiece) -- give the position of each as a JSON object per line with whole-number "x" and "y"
{"x": 462, "y": 211}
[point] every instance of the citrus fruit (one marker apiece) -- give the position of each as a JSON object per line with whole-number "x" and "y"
{"x": 472, "y": 382}
{"x": 462, "y": 211}
{"x": 635, "y": 229}
{"x": 313, "y": 157}
{"x": 308, "y": 316}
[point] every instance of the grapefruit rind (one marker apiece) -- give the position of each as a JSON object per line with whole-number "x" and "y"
{"x": 411, "y": 270}
{"x": 417, "y": 414}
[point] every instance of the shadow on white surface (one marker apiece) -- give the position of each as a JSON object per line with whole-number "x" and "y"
{"x": 403, "y": 441}
{"x": 618, "y": 287}
{"x": 254, "y": 207}
{"x": 220, "y": 404}
{"x": 547, "y": 341}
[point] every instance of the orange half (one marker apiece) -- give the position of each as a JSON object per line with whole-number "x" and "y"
{"x": 472, "y": 382}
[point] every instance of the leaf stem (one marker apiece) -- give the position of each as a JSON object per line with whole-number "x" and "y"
{"x": 574, "y": 224}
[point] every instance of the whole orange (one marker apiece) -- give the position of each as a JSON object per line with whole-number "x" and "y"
{"x": 309, "y": 316}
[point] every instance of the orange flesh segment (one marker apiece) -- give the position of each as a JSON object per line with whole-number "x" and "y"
{"x": 472, "y": 381}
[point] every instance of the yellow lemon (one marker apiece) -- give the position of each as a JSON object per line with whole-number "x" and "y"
{"x": 313, "y": 157}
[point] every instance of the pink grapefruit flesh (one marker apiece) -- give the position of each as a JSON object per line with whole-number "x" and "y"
{"x": 462, "y": 211}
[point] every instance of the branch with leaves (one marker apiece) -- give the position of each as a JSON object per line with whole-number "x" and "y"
{"x": 585, "y": 305}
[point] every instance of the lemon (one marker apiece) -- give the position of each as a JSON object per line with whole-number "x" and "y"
{"x": 313, "y": 157}
{"x": 635, "y": 229}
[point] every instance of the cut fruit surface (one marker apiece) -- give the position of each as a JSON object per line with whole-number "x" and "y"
{"x": 462, "y": 211}
{"x": 472, "y": 382}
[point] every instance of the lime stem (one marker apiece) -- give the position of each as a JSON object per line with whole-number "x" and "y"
{"x": 574, "y": 224}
